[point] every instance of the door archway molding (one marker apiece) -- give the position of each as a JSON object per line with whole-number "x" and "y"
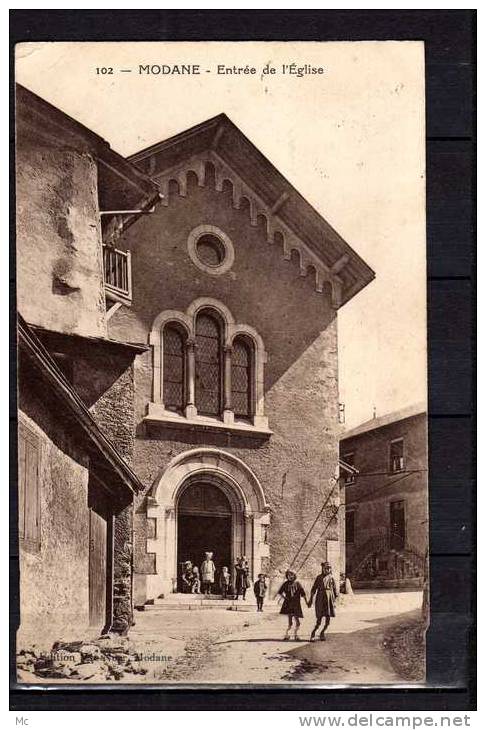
{"x": 243, "y": 489}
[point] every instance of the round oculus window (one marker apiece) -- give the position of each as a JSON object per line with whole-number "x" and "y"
{"x": 211, "y": 250}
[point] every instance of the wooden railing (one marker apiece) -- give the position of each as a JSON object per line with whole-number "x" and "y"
{"x": 118, "y": 273}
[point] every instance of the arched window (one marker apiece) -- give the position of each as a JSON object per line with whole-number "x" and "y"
{"x": 241, "y": 378}
{"x": 174, "y": 368}
{"x": 207, "y": 369}
{"x": 208, "y": 365}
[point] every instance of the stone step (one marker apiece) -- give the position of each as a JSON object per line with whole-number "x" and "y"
{"x": 176, "y": 598}
{"x": 243, "y": 606}
{"x": 188, "y": 601}
{"x": 198, "y": 601}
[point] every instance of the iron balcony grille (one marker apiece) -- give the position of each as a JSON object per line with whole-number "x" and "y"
{"x": 118, "y": 273}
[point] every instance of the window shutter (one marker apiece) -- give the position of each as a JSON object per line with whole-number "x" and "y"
{"x": 29, "y": 490}
{"x": 22, "y": 474}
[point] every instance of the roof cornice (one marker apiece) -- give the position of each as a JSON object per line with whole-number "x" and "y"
{"x": 275, "y": 198}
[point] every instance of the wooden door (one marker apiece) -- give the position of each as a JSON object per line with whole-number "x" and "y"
{"x": 97, "y": 569}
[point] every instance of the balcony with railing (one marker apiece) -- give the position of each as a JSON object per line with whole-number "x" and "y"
{"x": 118, "y": 274}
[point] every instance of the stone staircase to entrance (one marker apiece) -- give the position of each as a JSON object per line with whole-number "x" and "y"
{"x": 194, "y": 602}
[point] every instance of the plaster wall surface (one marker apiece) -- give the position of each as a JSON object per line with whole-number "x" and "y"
{"x": 54, "y": 581}
{"x": 59, "y": 253}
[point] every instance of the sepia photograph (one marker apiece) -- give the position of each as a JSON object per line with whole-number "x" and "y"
{"x": 222, "y": 363}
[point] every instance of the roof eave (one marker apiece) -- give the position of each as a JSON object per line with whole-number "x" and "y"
{"x": 34, "y": 349}
{"x": 52, "y": 118}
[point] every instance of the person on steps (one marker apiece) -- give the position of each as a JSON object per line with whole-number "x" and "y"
{"x": 242, "y": 582}
{"x": 224, "y": 581}
{"x": 186, "y": 577}
{"x": 208, "y": 570}
{"x": 196, "y": 581}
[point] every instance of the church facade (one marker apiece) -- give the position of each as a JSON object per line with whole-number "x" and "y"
{"x": 236, "y": 282}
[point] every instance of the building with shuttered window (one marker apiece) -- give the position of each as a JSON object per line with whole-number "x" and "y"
{"x": 75, "y": 397}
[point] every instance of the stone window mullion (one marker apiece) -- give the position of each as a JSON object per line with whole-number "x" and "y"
{"x": 228, "y": 415}
{"x": 191, "y": 409}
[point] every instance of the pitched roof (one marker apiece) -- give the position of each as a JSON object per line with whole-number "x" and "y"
{"x": 121, "y": 183}
{"x": 103, "y": 452}
{"x": 222, "y": 139}
{"x": 374, "y": 423}
{"x": 133, "y": 348}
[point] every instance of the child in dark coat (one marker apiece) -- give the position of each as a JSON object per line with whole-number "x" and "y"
{"x": 259, "y": 589}
{"x": 292, "y": 591}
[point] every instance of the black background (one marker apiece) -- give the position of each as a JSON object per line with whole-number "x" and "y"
{"x": 449, "y": 37}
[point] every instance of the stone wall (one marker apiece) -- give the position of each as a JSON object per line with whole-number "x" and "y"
{"x": 122, "y": 571}
{"x": 106, "y": 381}
{"x": 296, "y": 465}
{"x": 59, "y": 255}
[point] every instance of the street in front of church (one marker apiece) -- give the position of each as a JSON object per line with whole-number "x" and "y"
{"x": 245, "y": 646}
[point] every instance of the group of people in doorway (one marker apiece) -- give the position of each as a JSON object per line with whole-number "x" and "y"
{"x": 323, "y": 592}
{"x": 208, "y": 578}
{"x": 199, "y": 581}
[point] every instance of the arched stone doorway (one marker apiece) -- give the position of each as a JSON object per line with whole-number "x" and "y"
{"x": 205, "y": 483}
{"x": 205, "y": 521}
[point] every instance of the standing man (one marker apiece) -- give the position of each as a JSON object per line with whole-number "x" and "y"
{"x": 242, "y": 582}
{"x": 208, "y": 570}
{"x": 325, "y": 591}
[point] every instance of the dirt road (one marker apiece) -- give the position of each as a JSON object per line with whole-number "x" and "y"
{"x": 249, "y": 648}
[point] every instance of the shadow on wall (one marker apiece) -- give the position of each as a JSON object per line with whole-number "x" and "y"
{"x": 94, "y": 369}
{"x": 197, "y": 437}
{"x": 43, "y": 410}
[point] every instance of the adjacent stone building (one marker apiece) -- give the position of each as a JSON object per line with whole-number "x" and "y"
{"x": 236, "y": 283}
{"x": 75, "y": 501}
{"x": 384, "y": 482}
{"x": 76, "y": 392}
